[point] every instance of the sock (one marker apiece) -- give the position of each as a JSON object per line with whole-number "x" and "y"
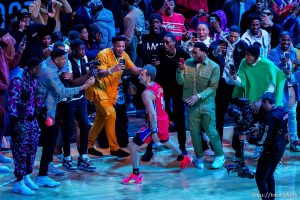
{"x": 136, "y": 171}
{"x": 180, "y": 157}
{"x": 84, "y": 156}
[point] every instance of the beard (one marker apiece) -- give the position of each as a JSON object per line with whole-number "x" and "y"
{"x": 3, "y": 45}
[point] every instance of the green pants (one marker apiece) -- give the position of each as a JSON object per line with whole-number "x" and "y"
{"x": 204, "y": 116}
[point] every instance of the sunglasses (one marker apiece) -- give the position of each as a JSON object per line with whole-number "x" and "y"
{"x": 168, "y": 42}
{"x": 267, "y": 13}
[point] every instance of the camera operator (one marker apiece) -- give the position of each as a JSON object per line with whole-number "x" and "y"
{"x": 273, "y": 139}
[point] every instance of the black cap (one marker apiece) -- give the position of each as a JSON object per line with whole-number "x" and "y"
{"x": 23, "y": 13}
{"x": 3, "y": 32}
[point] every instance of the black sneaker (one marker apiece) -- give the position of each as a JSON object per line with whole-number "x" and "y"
{"x": 69, "y": 165}
{"x": 94, "y": 152}
{"x": 85, "y": 164}
{"x": 119, "y": 153}
{"x": 147, "y": 156}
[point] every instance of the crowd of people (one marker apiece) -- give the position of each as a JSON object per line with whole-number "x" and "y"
{"x": 57, "y": 58}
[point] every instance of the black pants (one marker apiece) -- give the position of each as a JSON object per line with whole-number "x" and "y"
{"x": 175, "y": 108}
{"x": 49, "y": 136}
{"x": 223, "y": 98}
{"x": 264, "y": 176}
{"x": 71, "y": 110}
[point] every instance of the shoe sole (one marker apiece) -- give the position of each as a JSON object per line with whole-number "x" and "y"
{"x": 19, "y": 192}
{"x": 87, "y": 170}
{"x": 132, "y": 183}
{"x": 70, "y": 170}
{"x": 48, "y": 186}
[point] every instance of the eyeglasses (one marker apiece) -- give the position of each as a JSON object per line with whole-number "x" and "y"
{"x": 168, "y": 42}
{"x": 194, "y": 52}
{"x": 267, "y": 13}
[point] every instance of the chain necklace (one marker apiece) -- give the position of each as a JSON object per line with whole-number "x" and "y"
{"x": 171, "y": 55}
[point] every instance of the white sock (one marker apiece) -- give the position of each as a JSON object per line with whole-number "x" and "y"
{"x": 84, "y": 156}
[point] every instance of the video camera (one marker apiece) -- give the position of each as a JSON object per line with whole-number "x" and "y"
{"x": 92, "y": 65}
{"x": 243, "y": 125}
{"x": 242, "y": 115}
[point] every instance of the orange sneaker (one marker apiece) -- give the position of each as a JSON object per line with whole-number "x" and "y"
{"x": 133, "y": 179}
{"x": 185, "y": 162}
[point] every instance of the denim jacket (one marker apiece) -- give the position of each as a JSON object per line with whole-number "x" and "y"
{"x": 275, "y": 56}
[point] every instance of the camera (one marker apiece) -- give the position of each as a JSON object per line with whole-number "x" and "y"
{"x": 242, "y": 115}
{"x": 92, "y": 66}
{"x": 243, "y": 121}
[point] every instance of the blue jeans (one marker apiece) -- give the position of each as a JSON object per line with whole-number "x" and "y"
{"x": 292, "y": 121}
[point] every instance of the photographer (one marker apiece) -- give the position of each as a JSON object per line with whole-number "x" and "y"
{"x": 273, "y": 139}
{"x": 285, "y": 57}
{"x": 76, "y": 107}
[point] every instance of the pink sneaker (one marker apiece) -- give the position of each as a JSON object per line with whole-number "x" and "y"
{"x": 185, "y": 162}
{"x": 133, "y": 179}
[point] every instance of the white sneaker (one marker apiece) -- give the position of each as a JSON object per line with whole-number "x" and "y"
{"x": 45, "y": 181}
{"x": 218, "y": 162}
{"x": 4, "y": 169}
{"x": 199, "y": 163}
{"x": 29, "y": 183}
{"x": 52, "y": 169}
{"x": 4, "y": 159}
{"x": 21, "y": 188}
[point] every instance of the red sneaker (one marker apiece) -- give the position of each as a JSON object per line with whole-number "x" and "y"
{"x": 185, "y": 162}
{"x": 133, "y": 179}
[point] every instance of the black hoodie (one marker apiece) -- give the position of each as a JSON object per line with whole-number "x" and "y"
{"x": 150, "y": 42}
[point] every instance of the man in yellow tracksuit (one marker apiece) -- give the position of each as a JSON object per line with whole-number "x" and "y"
{"x": 104, "y": 94}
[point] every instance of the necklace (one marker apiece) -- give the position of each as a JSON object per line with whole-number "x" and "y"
{"x": 171, "y": 55}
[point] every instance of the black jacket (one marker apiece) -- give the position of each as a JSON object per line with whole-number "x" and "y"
{"x": 150, "y": 42}
{"x": 273, "y": 135}
{"x": 238, "y": 54}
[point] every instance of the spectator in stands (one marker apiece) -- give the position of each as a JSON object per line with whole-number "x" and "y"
{"x": 134, "y": 25}
{"x": 255, "y": 9}
{"x": 257, "y": 35}
{"x": 103, "y": 18}
{"x": 33, "y": 33}
{"x": 83, "y": 14}
{"x": 292, "y": 24}
{"x": 5, "y": 65}
{"x": 268, "y": 23}
{"x": 284, "y": 8}
{"x": 217, "y": 24}
{"x": 234, "y": 9}
{"x": 228, "y": 53}
{"x": 284, "y": 56}
{"x": 173, "y": 22}
{"x": 39, "y": 10}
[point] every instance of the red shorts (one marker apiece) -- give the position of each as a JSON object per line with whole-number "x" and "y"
{"x": 144, "y": 134}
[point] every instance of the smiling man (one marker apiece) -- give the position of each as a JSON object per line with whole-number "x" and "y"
{"x": 200, "y": 77}
{"x": 256, "y": 34}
